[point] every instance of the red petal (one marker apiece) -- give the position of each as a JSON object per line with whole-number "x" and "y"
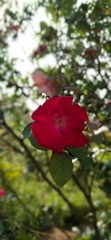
{"x": 79, "y": 112}
{"x": 65, "y": 103}
{"x": 60, "y": 105}
{"x": 51, "y": 137}
{"x": 79, "y": 140}
{"x": 75, "y": 124}
{"x": 51, "y": 102}
{"x": 44, "y": 110}
{"x": 45, "y": 135}
{"x": 66, "y": 137}
{"x": 38, "y": 113}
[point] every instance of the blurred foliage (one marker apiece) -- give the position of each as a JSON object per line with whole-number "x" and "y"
{"x": 79, "y": 41}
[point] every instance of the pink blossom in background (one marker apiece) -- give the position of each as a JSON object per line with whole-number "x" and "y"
{"x": 39, "y": 78}
{"x": 95, "y": 124}
{"x": 1, "y": 192}
{"x": 14, "y": 27}
{"x": 107, "y": 102}
{"x": 41, "y": 49}
{"x": 44, "y": 83}
{"x": 90, "y": 52}
{"x": 35, "y": 53}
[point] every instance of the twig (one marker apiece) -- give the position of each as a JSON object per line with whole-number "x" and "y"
{"x": 90, "y": 202}
{"x": 15, "y": 194}
{"x": 73, "y": 209}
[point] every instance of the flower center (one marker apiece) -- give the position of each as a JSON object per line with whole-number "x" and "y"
{"x": 59, "y": 121}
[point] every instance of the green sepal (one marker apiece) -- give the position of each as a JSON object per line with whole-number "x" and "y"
{"x": 27, "y": 131}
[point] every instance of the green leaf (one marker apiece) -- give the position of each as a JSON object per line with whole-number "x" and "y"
{"x": 77, "y": 152}
{"x": 82, "y": 155}
{"x": 35, "y": 144}
{"x": 27, "y": 131}
{"x": 61, "y": 168}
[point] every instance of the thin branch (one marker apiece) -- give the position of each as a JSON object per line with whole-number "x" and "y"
{"x": 90, "y": 202}
{"x": 38, "y": 168}
{"x": 15, "y": 194}
{"x": 12, "y": 146}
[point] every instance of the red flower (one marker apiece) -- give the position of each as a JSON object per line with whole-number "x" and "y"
{"x": 1, "y": 192}
{"x": 59, "y": 123}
